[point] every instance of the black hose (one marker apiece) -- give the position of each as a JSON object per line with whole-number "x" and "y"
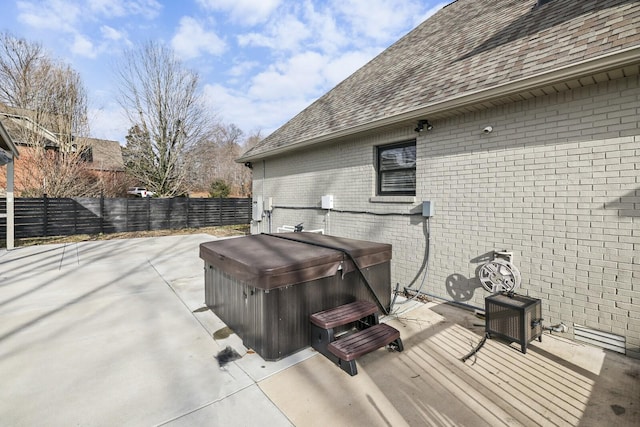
{"x": 477, "y": 349}
{"x": 395, "y": 295}
{"x": 346, "y": 252}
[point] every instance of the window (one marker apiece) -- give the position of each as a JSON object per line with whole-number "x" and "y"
{"x": 397, "y": 169}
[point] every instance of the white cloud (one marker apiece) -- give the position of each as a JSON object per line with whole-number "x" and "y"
{"x": 56, "y": 15}
{"x": 117, "y": 8}
{"x": 82, "y": 46}
{"x": 301, "y": 75}
{"x": 111, "y": 33}
{"x": 78, "y": 20}
{"x": 243, "y": 68}
{"x": 109, "y": 123}
{"x": 113, "y": 41}
{"x": 328, "y": 35}
{"x": 285, "y": 33}
{"x": 251, "y": 114}
{"x": 244, "y": 12}
{"x": 192, "y": 39}
{"x": 379, "y": 20}
{"x": 107, "y": 7}
{"x": 66, "y": 16}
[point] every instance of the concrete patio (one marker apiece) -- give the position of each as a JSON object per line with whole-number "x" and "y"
{"x": 116, "y": 333}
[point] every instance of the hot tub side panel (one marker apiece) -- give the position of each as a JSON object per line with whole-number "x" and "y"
{"x": 224, "y": 294}
{"x": 249, "y": 312}
{"x": 275, "y": 323}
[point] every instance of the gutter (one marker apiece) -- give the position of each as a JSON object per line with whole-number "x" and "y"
{"x": 580, "y": 69}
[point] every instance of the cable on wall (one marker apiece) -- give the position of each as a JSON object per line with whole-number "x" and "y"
{"x": 350, "y": 212}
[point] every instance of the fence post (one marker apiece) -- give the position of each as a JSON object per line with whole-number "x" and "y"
{"x": 75, "y": 216}
{"x": 220, "y": 202}
{"x": 205, "y": 217}
{"x": 45, "y": 219}
{"x": 235, "y": 210}
{"x": 148, "y": 213}
{"x": 101, "y": 212}
{"x": 188, "y": 209}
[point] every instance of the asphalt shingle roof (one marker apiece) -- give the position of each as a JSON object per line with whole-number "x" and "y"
{"x": 106, "y": 155}
{"x": 468, "y": 46}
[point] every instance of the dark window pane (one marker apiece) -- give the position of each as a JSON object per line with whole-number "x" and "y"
{"x": 398, "y": 181}
{"x": 397, "y": 169}
{"x": 398, "y": 158}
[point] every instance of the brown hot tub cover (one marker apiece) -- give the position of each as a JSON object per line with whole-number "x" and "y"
{"x": 267, "y": 261}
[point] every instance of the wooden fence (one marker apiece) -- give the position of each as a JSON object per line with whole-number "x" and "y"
{"x": 41, "y": 217}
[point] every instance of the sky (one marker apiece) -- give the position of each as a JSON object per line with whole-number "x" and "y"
{"x": 260, "y": 62}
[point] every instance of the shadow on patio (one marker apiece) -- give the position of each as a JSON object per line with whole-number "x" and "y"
{"x": 557, "y": 383}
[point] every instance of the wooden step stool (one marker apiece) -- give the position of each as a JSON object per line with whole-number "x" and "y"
{"x": 343, "y": 351}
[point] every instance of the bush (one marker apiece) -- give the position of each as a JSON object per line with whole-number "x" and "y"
{"x": 219, "y": 188}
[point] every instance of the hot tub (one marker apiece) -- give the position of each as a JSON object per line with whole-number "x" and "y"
{"x": 264, "y": 287}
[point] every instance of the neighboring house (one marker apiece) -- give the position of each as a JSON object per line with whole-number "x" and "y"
{"x": 25, "y": 129}
{"x": 534, "y": 148}
{"x": 102, "y": 158}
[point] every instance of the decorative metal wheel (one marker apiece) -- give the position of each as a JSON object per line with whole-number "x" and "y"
{"x": 499, "y": 276}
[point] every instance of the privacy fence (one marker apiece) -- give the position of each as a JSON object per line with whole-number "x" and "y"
{"x": 41, "y": 217}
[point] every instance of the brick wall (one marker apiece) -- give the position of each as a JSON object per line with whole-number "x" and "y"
{"x": 557, "y": 182}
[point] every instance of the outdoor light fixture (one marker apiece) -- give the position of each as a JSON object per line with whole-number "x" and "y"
{"x": 248, "y": 164}
{"x": 422, "y": 125}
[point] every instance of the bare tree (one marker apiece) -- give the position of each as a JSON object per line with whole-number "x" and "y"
{"x": 47, "y": 103}
{"x": 22, "y": 66}
{"x": 213, "y": 159}
{"x": 246, "y": 175}
{"x": 167, "y": 115}
{"x": 56, "y": 174}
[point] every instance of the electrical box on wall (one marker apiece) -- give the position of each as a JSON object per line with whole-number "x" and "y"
{"x": 268, "y": 204}
{"x": 428, "y": 209}
{"x": 327, "y": 202}
{"x": 257, "y": 208}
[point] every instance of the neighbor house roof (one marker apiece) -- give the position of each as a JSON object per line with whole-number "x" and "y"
{"x": 468, "y": 52}
{"x": 17, "y": 120}
{"x": 105, "y": 155}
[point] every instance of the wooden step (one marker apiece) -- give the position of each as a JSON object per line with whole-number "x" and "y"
{"x": 365, "y": 341}
{"x": 343, "y": 315}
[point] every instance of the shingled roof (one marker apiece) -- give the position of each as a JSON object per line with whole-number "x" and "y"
{"x": 106, "y": 155}
{"x": 466, "y": 52}
{"x": 18, "y": 121}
